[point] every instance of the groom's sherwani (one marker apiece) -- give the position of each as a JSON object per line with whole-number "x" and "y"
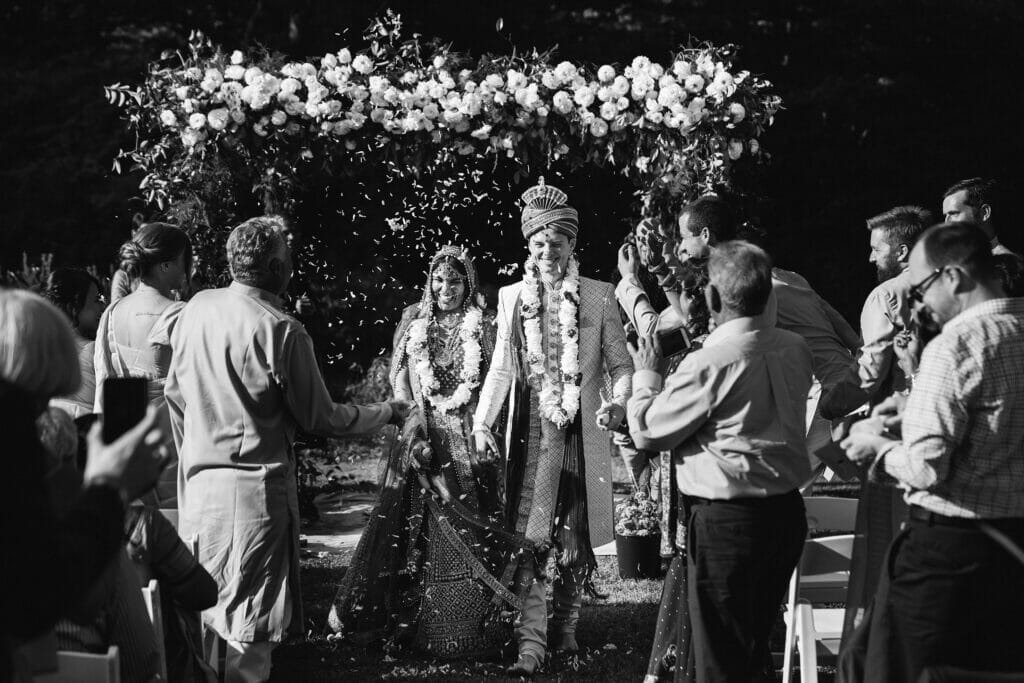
{"x": 603, "y": 361}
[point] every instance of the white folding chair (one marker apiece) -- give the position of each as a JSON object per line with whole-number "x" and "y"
{"x": 83, "y": 667}
{"x": 151, "y": 596}
{"x": 821, "y": 576}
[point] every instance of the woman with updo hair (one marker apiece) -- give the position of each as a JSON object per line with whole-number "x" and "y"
{"x": 133, "y": 339}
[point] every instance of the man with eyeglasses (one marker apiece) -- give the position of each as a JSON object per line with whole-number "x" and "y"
{"x": 954, "y": 595}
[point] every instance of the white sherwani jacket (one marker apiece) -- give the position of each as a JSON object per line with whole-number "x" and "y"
{"x": 603, "y": 358}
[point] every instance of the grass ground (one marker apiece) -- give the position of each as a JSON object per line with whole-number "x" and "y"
{"x": 615, "y": 633}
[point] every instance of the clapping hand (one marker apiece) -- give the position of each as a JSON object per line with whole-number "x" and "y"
{"x": 646, "y": 353}
{"x": 866, "y": 439}
{"x": 609, "y": 415}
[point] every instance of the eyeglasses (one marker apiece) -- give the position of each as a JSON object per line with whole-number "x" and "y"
{"x": 916, "y": 292}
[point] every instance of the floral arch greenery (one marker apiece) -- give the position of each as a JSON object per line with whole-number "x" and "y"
{"x": 380, "y": 155}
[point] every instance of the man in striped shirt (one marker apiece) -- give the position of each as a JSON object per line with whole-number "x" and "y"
{"x": 955, "y": 596}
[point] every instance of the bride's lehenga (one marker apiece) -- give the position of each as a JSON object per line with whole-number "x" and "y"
{"x": 433, "y": 566}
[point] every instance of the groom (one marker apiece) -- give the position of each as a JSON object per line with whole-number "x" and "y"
{"x": 559, "y": 337}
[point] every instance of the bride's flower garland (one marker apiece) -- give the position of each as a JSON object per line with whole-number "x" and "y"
{"x": 419, "y": 361}
{"x": 559, "y": 400}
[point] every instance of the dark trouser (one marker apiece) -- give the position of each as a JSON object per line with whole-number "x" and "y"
{"x": 741, "y": 554}
{"x": 956, "y": 598}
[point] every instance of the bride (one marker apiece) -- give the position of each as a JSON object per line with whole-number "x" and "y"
{"x": 432, "y": 567}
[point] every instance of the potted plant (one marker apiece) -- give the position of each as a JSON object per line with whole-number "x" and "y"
{"x": 638, "y": 537}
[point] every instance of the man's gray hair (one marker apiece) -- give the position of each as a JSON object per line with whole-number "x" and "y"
{"x": 252, "y": 245}
{"x": 742, "y": 274}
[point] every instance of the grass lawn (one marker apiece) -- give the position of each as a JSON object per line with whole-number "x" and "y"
{"x": 615, "y": 633}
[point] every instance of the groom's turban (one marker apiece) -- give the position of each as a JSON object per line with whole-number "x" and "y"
{"x": 547, "y": 207}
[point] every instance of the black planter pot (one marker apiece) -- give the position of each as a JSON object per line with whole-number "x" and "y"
{"x": 639, "y": 556}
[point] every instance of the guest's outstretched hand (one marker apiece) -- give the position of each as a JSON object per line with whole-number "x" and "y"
{"x": 646, "y": 353}
{"x": 399, "y": 412}
{"x": 133, "y": 463}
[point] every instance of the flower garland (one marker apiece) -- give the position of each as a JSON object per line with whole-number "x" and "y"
{"x": 419, "y": 356}
{"x": 559, "y": 400}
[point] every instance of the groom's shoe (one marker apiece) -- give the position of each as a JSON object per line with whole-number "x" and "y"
{"x": 562, "y": 641}
{"x": 526, "y": 665}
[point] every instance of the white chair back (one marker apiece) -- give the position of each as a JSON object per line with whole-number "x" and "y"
{"x": 151, "y": 596}
{"x": 84, "y": 667}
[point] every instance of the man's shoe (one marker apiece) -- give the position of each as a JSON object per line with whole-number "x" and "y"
{"x": 563, "y": 641}
{"x": 527, "y": 664}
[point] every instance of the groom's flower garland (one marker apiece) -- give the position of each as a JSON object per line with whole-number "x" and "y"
{"x": 419, "y": 355}
{"x": 559, "y": 400}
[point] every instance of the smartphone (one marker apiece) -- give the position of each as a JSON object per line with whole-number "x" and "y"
{"x": 124, "y": 405}
{"x": 673, "y": 342}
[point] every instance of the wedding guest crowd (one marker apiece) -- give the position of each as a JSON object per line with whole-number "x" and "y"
{"x": 733, "y": 397}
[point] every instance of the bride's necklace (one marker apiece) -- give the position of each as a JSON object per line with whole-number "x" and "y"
{"x": 422, "y": 360}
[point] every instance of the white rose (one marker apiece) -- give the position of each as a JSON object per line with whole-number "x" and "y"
{"x": 329, "y": 61}
{"x": 197, "y": 121}
{"x": 651, "y": 104}
{"x": 586, "y": 116}
{"x": 562, "y": 102}
{"x": 193, "y": 73}
{"x": 642, "y": 84}
{"x": 605, "y": 94}
{"x": 438, "y": 62}
{"x": 344, "y": 56}
{"x": 565, "y": 71}
{"x": 482, "y": 133}
{"x": 278, "y": 118}
{"x": 620, "y": 86}
{"x": 500, "y": 98}
{"x": 312, "y": 109}
{"x": 542, "y": 112}
{"x": 754, "y": 145}
{"x": 168, "y": 118}
{"x": 362, "y": 64}
{"x": 190, "y": 138}
{"x": 181, "y": 92}
{"x": 218, "y": 118}
{"x": 431, "y": 111}
{"x": 725, "y": 83}
{"x": 640, "y": 63}
{"x": 655, "y": 70}
{"x": 606, "y": 74}
{"x": 237, "y": 116}
{"x": 494, "y": 81}
{"x": 622, "y": 104}
{"x": 234, "y": 72}
{"x": 237, "y": 57}
{"x": 598, "y": 128}
{"x": 549, "y": 80}
{"x": 609, "y": 111}
{"x": 584, "y": 96}
{"x": 252, "y": 74}
{"x": 516, "y": 80}
{"x": 737, "y": 112}
{"x": 670, "y": 95}
{"x": 290, "y": 86}
{"x": 682, "y": 69}
{"x": 694, "y": 83}
{"x": 735, "y": 149}
{"x": 655, "y": 116}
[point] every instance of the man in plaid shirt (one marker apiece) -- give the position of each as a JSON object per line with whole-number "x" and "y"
{"x": 955, "y": 597}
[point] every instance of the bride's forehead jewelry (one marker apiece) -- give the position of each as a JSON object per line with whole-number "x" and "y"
{"x": 447, "y": 271}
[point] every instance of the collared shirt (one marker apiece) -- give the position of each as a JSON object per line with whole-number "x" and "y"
{"x": 998, "y": 249}
{"x": 645, "y": 320}
{"x": 733, "y": 412}
{"x": 962, "y": 453}
{"x": 885, "y": 314}
{"x": 798, "y": 308}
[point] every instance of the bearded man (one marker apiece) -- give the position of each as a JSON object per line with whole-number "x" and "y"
{"x": 559, "y": 337}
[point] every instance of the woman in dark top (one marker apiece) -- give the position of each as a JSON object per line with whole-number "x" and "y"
{"x": 49, "y": 563}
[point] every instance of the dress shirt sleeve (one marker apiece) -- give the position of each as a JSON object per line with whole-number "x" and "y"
{"x": 661, "y": 418}
{"x": 637, "y": 306}
{"x": 877, "y": 357}
{"x": 307, "y": 398}
{"x": 935, "y": 420}
{"x": 101, "y": 363}
{"x": 617, "y": 361}
{"x": 499, "y": 374}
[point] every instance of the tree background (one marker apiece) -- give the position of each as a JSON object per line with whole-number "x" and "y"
{"x": 885, "y": 103}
